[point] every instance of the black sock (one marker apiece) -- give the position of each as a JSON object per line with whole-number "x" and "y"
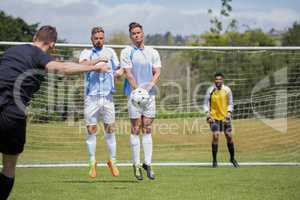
{"x": 214, "y": 150}
{"x": 6, "y": 185}
{"x": 231, "y": 150}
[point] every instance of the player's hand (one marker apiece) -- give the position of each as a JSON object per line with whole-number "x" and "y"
{"x": 228, "y": 117}
{"x": 148, "y": 86}
{"x": 102, "y": 59}
{"x": 102, "y": 67}
{"x": 209, "y": 119}
{"x": 118, "y": 73}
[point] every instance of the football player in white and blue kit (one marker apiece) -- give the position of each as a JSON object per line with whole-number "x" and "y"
{"x": 142, "y": 66}
{"x": 98, "y": 99}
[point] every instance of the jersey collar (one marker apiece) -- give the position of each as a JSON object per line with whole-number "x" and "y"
{"x": 215, "y": 87}
{"x": 137, "y": 48}
{"x": 96, "y": 49}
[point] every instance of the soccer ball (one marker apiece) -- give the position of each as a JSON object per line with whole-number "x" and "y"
{"x": 139, "y": 97}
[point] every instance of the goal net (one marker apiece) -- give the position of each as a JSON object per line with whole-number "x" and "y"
{"x": 266, "y": 121}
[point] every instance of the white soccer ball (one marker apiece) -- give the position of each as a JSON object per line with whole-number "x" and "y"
{"x": 140, "y": 97}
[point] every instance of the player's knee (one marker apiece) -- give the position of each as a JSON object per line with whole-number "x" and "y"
{"x": 147, "y": 129}
{"x": 110, "y": 128}
{"x": 9, "y": 165}
{"x": 229, "y": 137}
{"x": 215, "y": 137}
{"x": 92, "y": 129}
{"x": 135, "y": 129}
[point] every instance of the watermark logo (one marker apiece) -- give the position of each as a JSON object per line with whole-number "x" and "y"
{"x": 269, "y": 100}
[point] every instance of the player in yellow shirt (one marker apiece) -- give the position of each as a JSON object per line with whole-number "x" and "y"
{"x": 218, "y": 104}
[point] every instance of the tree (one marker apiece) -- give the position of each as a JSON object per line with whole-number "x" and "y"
{"x": 217, "y": 25}
{"x": 119, "y": 38}
{"x": 16, "y": 29}
{"x": 253, "y": 37}
{"x": 292, "y": 36}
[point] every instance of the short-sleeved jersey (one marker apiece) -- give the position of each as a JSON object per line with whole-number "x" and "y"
{"x": 21, "y": 71}
{"x": 141, "y": 62}
{"x": 218, "y": 102}
{"x": 96, "y": 83}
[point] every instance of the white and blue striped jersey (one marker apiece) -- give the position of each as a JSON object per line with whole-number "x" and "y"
{"x": 141, "y": 62}
{"x": 96, "y": 83}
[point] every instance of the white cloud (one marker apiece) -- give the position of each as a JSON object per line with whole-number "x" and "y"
{"x": 53, "y": 2}
{"x": 75, "y": 18}
{"x": 191, "y": 12}
{"x": 274, "y": 18}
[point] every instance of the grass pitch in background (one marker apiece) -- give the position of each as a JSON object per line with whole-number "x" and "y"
{"x": 180, "y": 140}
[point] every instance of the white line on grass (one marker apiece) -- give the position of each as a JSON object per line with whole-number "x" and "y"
{"x": 168, "y": 164}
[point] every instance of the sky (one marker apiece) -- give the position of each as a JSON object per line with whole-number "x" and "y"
{"x": 75, "y": 18}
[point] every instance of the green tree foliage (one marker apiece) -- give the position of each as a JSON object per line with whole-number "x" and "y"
{"x": 254, "y": 37}
{"x": 165, "y": 39}
{"x": 216, "y": 21}
{"x": 292, "y": 36}
{"x": 15, "y": 29}
{"x": 119, "y": 38}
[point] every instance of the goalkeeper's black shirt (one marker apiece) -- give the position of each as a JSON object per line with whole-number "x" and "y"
{"x": 22, "y": 70}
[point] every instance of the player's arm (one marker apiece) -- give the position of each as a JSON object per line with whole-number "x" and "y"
{"x": 230, "y": 104}
{"x": 92, "y": 62}
{"x": 85, "y": 58}
{"x": 126, "y": 65}
{"x": 118, "y": 71}
{"x": 130, "y": 78}
{"x": 206, "y": 105}
{"x": 156, "y": 69}
{"x": 70, "y": 68}
{"x": 155, "y": 79}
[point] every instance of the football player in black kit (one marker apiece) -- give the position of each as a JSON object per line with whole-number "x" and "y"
{"x": 20, "y": 72}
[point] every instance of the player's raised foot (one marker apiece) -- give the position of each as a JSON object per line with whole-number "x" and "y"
{"x": 214, "y": 164}
{"x": 93, "y": 169}
{"x": 137, "y": 172}
{"x": 113, "y": 168}
{"x": 149, "y": 171}
{"x": 235, "y": 163}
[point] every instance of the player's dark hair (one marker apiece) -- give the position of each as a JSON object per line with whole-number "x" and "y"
{"x": 219, "y": 74}
{"x": 97, "y": 29}
{"x": 46, "y": 34}
{"x": 133, "y": 25}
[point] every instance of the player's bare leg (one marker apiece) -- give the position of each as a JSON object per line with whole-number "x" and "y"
{"x": 135, "y": 147}
{"x": 147, "y": 145}
{"x": 91, "y": 141}
{"x": 214, "y": 148}
{"x": 7, "y": 176}
{"x": 110, "y": 138}
{"x": 231, "y": 150}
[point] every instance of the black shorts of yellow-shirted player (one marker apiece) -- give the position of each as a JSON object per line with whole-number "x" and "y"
{"x": 26, "y": 60}
{"x": 218, "y": 104}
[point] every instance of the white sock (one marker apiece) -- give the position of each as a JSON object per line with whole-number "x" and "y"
{"x": 110, "y": 139}
{"x": 135, "y": 148}
{"x": 91, "y": 145}
{"x": 147, "y": 146}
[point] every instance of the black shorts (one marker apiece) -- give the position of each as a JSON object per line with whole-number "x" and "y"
{"x": 220, "y": 126}
{"x": 12, "y": 134}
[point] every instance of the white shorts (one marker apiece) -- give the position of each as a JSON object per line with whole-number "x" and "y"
{"x": 98, "y": 108}
{"x": 148, "y": 111}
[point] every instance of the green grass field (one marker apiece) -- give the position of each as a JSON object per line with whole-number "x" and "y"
{"x": 179, "y": 140}
{"x": 223, "y": 183}
{"x": 186, "y": 139}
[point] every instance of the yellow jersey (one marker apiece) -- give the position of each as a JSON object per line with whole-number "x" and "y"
{"x": 218, "y": 102}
